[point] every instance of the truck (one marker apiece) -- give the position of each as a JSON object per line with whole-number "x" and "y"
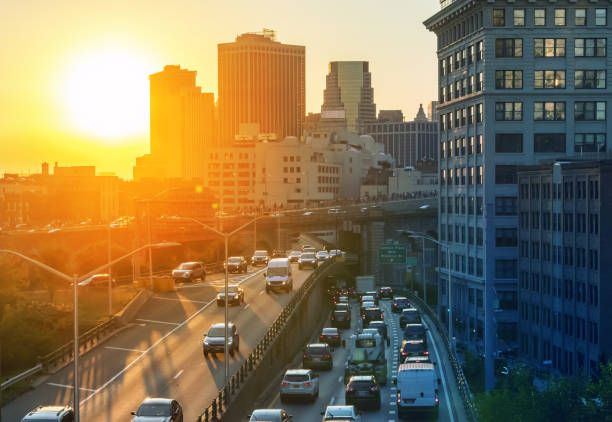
{"x": 364, "y": 283}
{"x": 417, "y": 389}
{"x": 366, "y": 357}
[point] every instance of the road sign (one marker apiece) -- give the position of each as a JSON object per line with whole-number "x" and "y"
{"x": 391, "y": 254}
{"x": 411, "y": 261}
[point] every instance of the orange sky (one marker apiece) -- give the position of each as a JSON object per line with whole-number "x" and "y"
{"x": 52, "y": 107}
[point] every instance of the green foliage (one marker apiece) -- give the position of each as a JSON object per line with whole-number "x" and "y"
{"x": 473, "y": 369}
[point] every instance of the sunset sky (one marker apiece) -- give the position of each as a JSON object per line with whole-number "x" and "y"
{"x": 74, "y": 74}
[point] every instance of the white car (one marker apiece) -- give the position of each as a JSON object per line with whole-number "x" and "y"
{"x": 335, "y": 252}
{"x": 343, "y": 413}
{"x": 299, "y": 382}
{"x": 322, "y": 256}
{"x": 270, "y": 415}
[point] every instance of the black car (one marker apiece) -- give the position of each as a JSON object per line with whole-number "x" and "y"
{"x": 380, "y": 326}
{"x": 415, "y": 332}
{"x": 375, "y": 294}
{"x": 331, "y": 336}
{"x": 399, "y": 303}
{"x": 412, "y": 348}
{"x": 362, "y": 392}
{"x": 371, "y": 314}
{"x": 341, "y": 319}
{"x": 418, "y": 359}
{"x": 385, "y": 293}
{"x": 409, "y": 316}
{"x": 237, "y": 264}
{"x": 317, "y": 355}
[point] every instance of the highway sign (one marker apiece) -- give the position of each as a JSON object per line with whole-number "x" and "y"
{"x": 411, "y": 261}
{"x": 391, "y": 254}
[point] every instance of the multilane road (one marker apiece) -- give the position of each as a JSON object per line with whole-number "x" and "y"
{"x": 160, "y": 353}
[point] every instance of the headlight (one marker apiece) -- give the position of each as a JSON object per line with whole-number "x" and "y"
{"x": 206, "y": 342}
{"x": 230, "y": 340}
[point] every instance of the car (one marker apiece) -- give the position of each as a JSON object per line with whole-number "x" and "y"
{"x": 260, "y": 258}
{"x": 317, "y": 355}
{"x": 322, "y": 256}
{"x": 96, "y": 281}
{"x": 374, "y": 294}
{"x": 362, "y": 392}
{"x": 364, "y": 306}
{"x": 308, "y": 248}
{"x": 409, "y": 316}
{"x": 50, "y": 414}
{"x": 334, "y": 211}
{"x": 307, "y": 213}
{"x": 380, "y": 326}
{"x": 415, "y": 332}
{"x": 279, "y": 275}
{"x": 399, "y": 303}
{"x": 299, "y": 382}
{"x": 385, "y": 292}
{"x": 189, "y": 271}
{"x": 237, "y": 264}
{"x": 307, "y": 260}
{"x": 158, "y": 410}
{"x": 371, "y": 314}
{"x": 214, "y": 339}
{"x": 417, "y": 359}
{"x": 341, "y": 319}
{"x": 270, "y": 415}
{"x": 412, "y": 348}
{"x": 234, "y": 293}
{"x": 294, "y": 256}
{"x": 341, "y": 413}
{"x": 276, "y": 253}
{"x": 342, "y": 306}
{"x": 335, "y": 252}
{"x": 342, "y": 299}
{"x": 367, "y": 298}
{"x": 331, "y": 336}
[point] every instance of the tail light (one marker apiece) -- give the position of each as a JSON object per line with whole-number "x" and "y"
{"x": 362, "y": 316}
{"x": 305, "y": 356}
{"x": 333, "y": 319}
{"x": 321, "y": 337}
{"x": 426, "y": 352}
{"x": 399, "y": 396}
{"x": 284, "y": 384}
{"x": 327, "y": 356}
{"x": 350, "y": 389}
{"x": 308, "y": 383}
{"x": 437, "y": 400}
{"x": 381, "y": 316}
{"x": 336, "y": 336}
{"x": 375, "y": 388}
{"x": 404, "y": 353}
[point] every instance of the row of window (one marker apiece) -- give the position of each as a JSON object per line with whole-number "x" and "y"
{"x": 292, "y": 169}
{"x": 461, "y": 58}
{"x": 560, "y": 191}
{"x": 550, "y": 142}
{"x": 462, "y": 234}
{"x": 550, "y": 47}
{"x": 456, "y": 205}
{"x": 328, "y": 169}
{"x": 564, "y": 323}
{"x": 559, "y": 17}
{"x": 551, "y": 110}
{"x": 458, "y": 147}
{"x": 462, "y": 176}
{"x": 461, "y": 117}
{"x": 551, "y": 79}
{"x": 475, "y": 266}
{"x": 291, "y": 158}
{"x": 462, "y": 87}
{"x": 554, "y": 287}
{"x": 557, "y": 222}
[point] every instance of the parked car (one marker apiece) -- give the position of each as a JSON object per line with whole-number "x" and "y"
{"x": 322, "y": 256}
{"x": 158, "y": 410}
{"x": 50, "y": 414}
{"x": 235, "y": 295}
{"x": 96, "y": 281}
{"x": 331, "y": 336}
{"x": 214, "y": 340}
{"x": 270, "y": 415}
{"x": 341, "y": 413}
{"x": 371, "y": 314}
{"x": 341, "y": 319}
{"x": 362, "y": 392}
{"x": 260, "y": 258}
{"x": 294, "y": 256}
{"x": 237, "y": 264}
{"x": 299, "y": 382}
{"x": 385, "y": 292}
{"x": 409, "y": 316}
{"x": 307, "y": 260}
{"x": 317, "y": 355}
{"x": 412, "y": 348}
{"x": 399, "y": 303}
{"x": 189, "y": 271}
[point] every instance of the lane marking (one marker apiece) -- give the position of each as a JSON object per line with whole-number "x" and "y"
{"x": 178, "y": 300}
{"x": 68, "y": 386}
{"x": 332, "y": 401}
{"x": 340, "y": 378}
{"x": 124, "y": 349}
{"x": 443, "y": 375}
{"x": 260, "y": 293}
{"x": 157, "y": 322}
{"x": 179, "y": 373}
{"x": 246, "y": 306}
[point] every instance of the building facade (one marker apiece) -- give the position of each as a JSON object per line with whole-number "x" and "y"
{"x": 261, "y": 81}
{"x": 519, "y": 82}
{"x": 564, "y": 299}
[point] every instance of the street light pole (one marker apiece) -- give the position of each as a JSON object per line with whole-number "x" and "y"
{"x": 75, "y": 282}
{"x": 226, "y": 297}
{"x": 424, "y": 283}
{"x": 150, "y": 253}
{"x": 110, "y": 274}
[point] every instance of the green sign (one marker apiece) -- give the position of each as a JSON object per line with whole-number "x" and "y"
{"x": 391, "y": 254}
{"x": 411, "y": 261}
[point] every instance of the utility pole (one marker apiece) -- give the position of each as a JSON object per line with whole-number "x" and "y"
{"x": 75, "y": 340}
{"x": 110, "y": 274}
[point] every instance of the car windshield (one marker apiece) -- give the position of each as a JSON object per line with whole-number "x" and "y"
{"x": 307, "y": 255}
{"x": 218, "y": 331}
{"x": 365, "y": 342}
{"x": 342, "y": 306}
{"x": 368, "y": 304}
{"x": 277, "y": 271}
{"x": 230, "y": 289}
{"x": 154, "y": 410}
{"x": 317, "y": 350}
{"x": 234, "y": 260}
{"x": 361, "y": 385}
{"x": 294, "y": 253}
{"x": 414, "y": 346}
{"x": 401, "y": 301}
{"x": 332, "y": 331}
{"x": 367, "y": 299}
{"x": 187, "y": 266}
{"x": 340, "y": 313}
{"x": 261, "y": 253}
{"x": 296, "y": 377}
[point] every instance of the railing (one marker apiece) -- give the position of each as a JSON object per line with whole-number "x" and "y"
{"x": 220, "y": 403}
{"x": 462, "y": 384}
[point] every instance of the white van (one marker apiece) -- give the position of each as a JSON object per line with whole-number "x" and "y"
{"x": 417, "y": 389}
{"x": 278, "y": 275}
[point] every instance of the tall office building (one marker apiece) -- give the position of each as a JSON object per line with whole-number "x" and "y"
{"x": 349, "y": 88}
{"x": 519, "y": 82}
{"x": 182, "y": 126}
{"x": 261, "y": 81}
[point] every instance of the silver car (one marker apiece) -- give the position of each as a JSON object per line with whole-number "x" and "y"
{"x": 50, "y": 414}
{"x": 189, "y": 271}
{"x": 307, "y": 260}
{"x": 300, "y": 382}
{"x": 270, "y": 415}
{"x": 158, "y": 410}
{"x": 322, "y": 256}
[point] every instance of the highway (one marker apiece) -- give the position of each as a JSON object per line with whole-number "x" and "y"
{"x": 331, "y": 386}
{"x": 160, "y": 353}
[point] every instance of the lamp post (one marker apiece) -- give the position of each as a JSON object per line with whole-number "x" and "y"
{"x": 75, "y": 283}
{"x": 110, "y": 275}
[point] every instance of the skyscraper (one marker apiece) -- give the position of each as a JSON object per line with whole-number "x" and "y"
{"x": 349, "y": 88}
{"x": 261, "y": 81}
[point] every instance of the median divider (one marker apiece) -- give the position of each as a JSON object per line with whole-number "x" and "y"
{"x": 280, "y": 343}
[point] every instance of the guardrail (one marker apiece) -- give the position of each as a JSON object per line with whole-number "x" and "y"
{"x": 20, "y": 377}
{"x": 220, "y": 403}
{"x": 462, "y": 384}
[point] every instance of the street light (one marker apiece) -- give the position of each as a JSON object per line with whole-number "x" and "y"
{"x": 75, "y": 283}
{"x": 277, "y": 215}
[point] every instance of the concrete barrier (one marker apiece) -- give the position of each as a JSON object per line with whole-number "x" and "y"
{"x": 129, "y": 311}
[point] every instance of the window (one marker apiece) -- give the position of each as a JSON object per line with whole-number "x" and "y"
{"x": 590, "y": 110}
{"x": 549, "y": 79}
{"x": 505, "y": 174}
{"x": 505, "y": 268}
{"x": 601, "y": 17}
{"x": 479, "y": 144}
{"x": 479, "y": 236}
{"x": 560, "y": 17}
{"x": 506, "y": 205}
{"x": 549, "y": 142}
{"x": 518, "y": 17}
{"x": 590, "y": 142}
{"x": 590, "y": 79}
{"x": 509, "y": 142}
{"x": 580, "y": 18}
{"x": 549, "y": 111}
{"x": 549, "y": 47}
{"x": 539, "y": 17}
{"x": 506, "y": 237}
{"x": 509, "y": 79}
{"x": 509, "y": 47}
{"x": 478, "y": 113}
{"x": 479, "y": 51}
{"x": 590, "y": 47}
{"x": 499, "y": 17}
{"x": 509, "y": 111}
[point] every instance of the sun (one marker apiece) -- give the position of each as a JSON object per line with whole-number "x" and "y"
{"x": 106, "y": 93}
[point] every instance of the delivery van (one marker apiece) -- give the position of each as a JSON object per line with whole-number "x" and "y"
{"x": 278, "y": 275}
{"x": 417, "y": 389}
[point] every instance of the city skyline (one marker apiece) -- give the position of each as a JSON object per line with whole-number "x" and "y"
{"x": 45, "y": 99}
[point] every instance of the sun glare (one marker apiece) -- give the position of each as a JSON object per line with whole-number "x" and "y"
{"x": 106, "y": 94}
